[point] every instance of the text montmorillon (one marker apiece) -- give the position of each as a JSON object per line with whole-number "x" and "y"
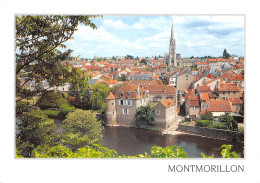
{"x": 206, "y": 168}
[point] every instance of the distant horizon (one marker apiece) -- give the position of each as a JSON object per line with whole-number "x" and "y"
{"x": 147, "y": 36}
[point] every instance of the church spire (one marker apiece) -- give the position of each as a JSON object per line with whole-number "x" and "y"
{"x": 172, "y": 32}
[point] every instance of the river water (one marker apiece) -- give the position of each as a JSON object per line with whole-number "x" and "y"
{"x": 132, "y": 141}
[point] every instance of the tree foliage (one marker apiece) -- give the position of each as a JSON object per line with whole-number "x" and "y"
{"x": 229, "y": 122}
{"x": 39, "y": 40}
{"x": 122, "y": 78}
{"x": 226, "y": 54}
{"x": 79, "y": 84}
{"x": 145, "y": 115}
{"x": 98, "y": 151}
{"x": 81, "y": 128}
{"x": 48, "y": 99}
{"x": 34, "y": 129}
{"x": 207, "y": 116}
{"x": 98, "y": 96}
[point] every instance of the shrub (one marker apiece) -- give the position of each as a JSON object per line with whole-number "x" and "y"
{"x": 155, "y": 129}
{"x": 203, "y": 123}
{"x": 207, "y": 116}
{"x": 145, "y": 115}
{"x": 48, "y": 100}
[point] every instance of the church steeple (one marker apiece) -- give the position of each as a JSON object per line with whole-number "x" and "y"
{"x": 172, "y": 49}
{"x": 172, "y": 33}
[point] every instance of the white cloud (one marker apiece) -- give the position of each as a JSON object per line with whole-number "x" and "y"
{"x": 117, "y": 24}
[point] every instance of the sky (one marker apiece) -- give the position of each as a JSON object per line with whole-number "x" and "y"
{"x": 146, "y": 36}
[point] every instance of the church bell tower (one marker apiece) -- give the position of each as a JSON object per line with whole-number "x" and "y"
{"x": 172, "y": 50}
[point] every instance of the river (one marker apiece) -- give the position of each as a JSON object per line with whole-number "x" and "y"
{"x": 132, "y": 141}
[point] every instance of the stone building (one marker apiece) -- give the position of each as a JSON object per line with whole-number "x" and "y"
{"x": 184, "y": 81}
{"x": 165, "y": 113}
{"x": 173, "y": 58}
{"x": 161, "y": 92}
{"x": 121, "y": 108}
{"x": 225, "y": 90}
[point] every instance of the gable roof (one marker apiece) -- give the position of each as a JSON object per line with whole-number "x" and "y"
{"x": 203, "y": 89}
{"x": 204, "y": 96}
{"x": 228, "y": 87}
{"x": 161, "y": 89}
{"x": 167, "y": 103}
{"x": 235, "y": 100}
{"x": 218, "y": 106}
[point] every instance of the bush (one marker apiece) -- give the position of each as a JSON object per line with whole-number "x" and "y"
{"x": 52, "y": 113}
{"x": 155, "y": 129}
{"x": 229, "y": 122}
{"x": 145, "y": 115}
{"x": 48, "y": 100}
{"x": 81, "y": 128}
{"x": 203, "y": 123}
{"x": 207, "y": 116}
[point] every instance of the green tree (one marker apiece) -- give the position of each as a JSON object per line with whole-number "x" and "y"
{"x": 81, "y": 128}
{"x": 229, "y": 122}
{"x": 34, "y": 129}
{"x": 145, "y": 115}
{"x": 226, "y": 54}
{"x": 144, "y": 61}
{"x": 207, "y": 116}
{"x": 39, "y": 40}
{"x": 48, "y": 99}
{"x": 122, "y": 78}
{"x": 79, "y": 84}
{"x": 114, "y": 88}
{"x": 98, "y": 96}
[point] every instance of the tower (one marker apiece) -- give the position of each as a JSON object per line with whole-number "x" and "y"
{"x": 111, "y": 110}
{"x": 172, "y": 50}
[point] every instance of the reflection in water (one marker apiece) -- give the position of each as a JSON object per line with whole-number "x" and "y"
{"x": 131, "y": 141}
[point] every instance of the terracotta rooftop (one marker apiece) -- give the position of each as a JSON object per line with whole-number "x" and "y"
{"x": 167, "y": 103}
{"x": 235, "y": 100}
{"x": 228, "y": 87}
{"x": 203, "y": 89}
{"x": 161, "y": 89}
{"x": 204, "y": 96}
{"x": 162, "y": 65}
{"x": 236, "y": 77}
{"x": 218, "y": 106}
{"x": 111, "y": 96}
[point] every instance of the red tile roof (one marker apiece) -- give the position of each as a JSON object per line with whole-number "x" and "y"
{"x": 194, "y": 100}
{"x": 218, "y": 106}
{"x": 236, "y": 77}
{"x": 167, "y": 103}
{"x": 235, "y": 100}
{"x": 203, "y": 89}
{"x": 162, "y": 65}
{"x": 228, "y": 87}
{"x": 161, "y": 89}
{"x": 111, "y": 96}
{"x": 204, "y": 96}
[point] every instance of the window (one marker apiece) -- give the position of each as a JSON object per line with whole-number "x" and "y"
{"x": 158, "y": 99}
{"x": 125, "y": 111}
{"x": 157, "y": 112}
{"x": 129, "y": 102}
{"x": 121, "y": 102}
{"x": 192, "y": 107}
{"x": 223, "y": 98}
{"x": 113, "y": 103}
{"x": 229, "y": 93}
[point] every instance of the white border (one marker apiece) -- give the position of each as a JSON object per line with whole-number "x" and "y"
{"x": 26, "y": 171}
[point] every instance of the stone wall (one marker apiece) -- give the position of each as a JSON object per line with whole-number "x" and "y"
{"x": 212, "y": 133}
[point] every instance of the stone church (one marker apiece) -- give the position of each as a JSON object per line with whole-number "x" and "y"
{"x": 173, "y": 58}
